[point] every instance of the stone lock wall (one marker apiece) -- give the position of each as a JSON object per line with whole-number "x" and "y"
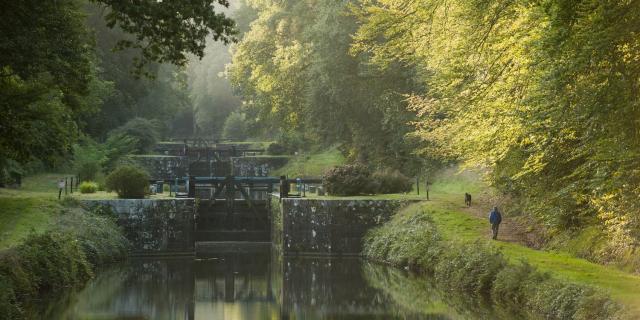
{"x": 161, "y": 167}
{"x": 154, "y": 225}
{"x": 326, "y": 227}
{"x": 257, "y": 166}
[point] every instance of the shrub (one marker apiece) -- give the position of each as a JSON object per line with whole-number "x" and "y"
{"x": 349, "y": 180}
{"x": 410, "y": 239}
{"x": 128, "y": 181}
{"x": 145, "y": 132}
{"x": 88, "y": 187}
{"x": 470, "y": 267}
{"x": 277, "y": 149}
{"x": 392, "y": 181}
{"x": 61, "y": 258}
{"x": 513, "y": 282}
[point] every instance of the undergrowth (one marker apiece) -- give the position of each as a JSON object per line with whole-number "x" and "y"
{"x": 63, "y": 257}
{"x": 411, "y": 240}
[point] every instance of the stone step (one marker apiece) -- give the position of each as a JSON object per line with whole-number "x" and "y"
{"x": 233, "y": 235}
{"x": 205, "y": 248}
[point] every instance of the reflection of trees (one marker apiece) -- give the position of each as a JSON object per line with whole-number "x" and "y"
{"x": 417, "y": 294}
{"x": 328, "y": 288}
{"x": 158, "y": 289}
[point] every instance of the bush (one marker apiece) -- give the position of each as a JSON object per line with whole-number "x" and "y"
{"x": 57, "y": 260}
{"x": 392, "y": 181}
{"x": 129, "y": 182}
{"x": 145, "y": 133}
{"x": 349, "y": 180}
{"x": 513, "y": 282}
{"x": 410, "y": 239}
{"x": 88, "y": 187}
{"x": 277, "y": 149}
{"x": 469, "y": 268}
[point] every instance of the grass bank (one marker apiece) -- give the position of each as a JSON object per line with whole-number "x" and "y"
{"x": 311, "y": 165}
{"x": 47, "y": 245}
{"x": 63, "y": 256}
{"x": 447, "y": 246}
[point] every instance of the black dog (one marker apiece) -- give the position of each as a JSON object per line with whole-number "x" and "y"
{"x": 467, "y": 199}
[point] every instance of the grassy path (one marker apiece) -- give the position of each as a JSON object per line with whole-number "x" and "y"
{"x": 457, "y": 223}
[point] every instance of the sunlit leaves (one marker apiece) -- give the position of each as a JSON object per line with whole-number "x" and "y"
{"x": 543, "y": 93}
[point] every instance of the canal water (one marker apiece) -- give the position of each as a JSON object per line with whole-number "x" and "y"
{"x": 260, "y": 285}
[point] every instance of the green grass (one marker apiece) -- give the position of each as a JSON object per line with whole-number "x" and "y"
{"x": 446, "y": 197}
{"x": 311, "y": 165}
{"x": 21, "y": 216}
{"x": 33, "y": 207}
{"x": 455, "y": 224}
{"x": 623, "y": 287}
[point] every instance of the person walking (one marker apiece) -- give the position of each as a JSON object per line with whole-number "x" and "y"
{"x": 495, "y": 218}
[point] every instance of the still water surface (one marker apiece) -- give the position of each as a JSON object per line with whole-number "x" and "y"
{"x": 260, "y": 285}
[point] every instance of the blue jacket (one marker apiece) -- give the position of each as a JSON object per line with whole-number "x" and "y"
{"x": 495, "y": 217}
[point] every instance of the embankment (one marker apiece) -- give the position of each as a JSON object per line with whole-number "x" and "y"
{"x": 64, "y": 256}
{"x": 412, "y": 239}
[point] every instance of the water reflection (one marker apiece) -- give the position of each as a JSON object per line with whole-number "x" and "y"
{"x": 258, "y": 285}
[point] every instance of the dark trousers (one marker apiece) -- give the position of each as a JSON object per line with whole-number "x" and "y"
{"x": 59, "y": 194}
{"x": 494, "y": 228}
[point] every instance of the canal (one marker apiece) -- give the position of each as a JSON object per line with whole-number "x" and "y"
{"x": 260, "y": 285}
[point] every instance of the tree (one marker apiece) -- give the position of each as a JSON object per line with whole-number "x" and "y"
{"x": 302, "y": 80}
{"x": 542, "y": 94}
{"x": 50, "y": 80}
{"x": 165, "y": 31}
{"x": 145, "y": 132}
{"x": 235, "y": 127}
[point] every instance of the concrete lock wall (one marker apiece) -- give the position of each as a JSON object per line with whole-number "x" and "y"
{"x": 161, "y": 167}
{"x": 153, "y": 225}
{"x": 258, "y": 166}
{"x": 326, "y": 227}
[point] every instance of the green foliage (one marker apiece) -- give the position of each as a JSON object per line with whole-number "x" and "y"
{"x": 171, "y": 40}
{"x": 411, "y": 240}
{"x": 469, "y": 268}
{"x": 235, "y": 127}
{"x": 209, "y": 88}
{"x": 88, "y": 171}
{"x": 88, "y": 187}
{"x": 512, "y": 88}
{"x": 294, "y": 69}
{"x": 311, "y": 165}
{"x": 145, "y": 132}
{"x": 50, "y": 89}
{"x": 349, "y": 180}
{"x": 513, "y": 282}
{"x": 63, "y": 257}
{"x": 392, "y": 181}
{"x": 357, "y": 179}
{"x": 88, "y": 159}
{"x": 276, "y": 149}
{"x": 36, "y": 123}
{"x": 405, "y": 241}
{"x": 129, "y": 182}
{"x": 91, "y": 159}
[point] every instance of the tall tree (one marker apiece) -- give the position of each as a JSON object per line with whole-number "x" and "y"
{"x": 303, "y": 80}
{"x": 545, "y": 94}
